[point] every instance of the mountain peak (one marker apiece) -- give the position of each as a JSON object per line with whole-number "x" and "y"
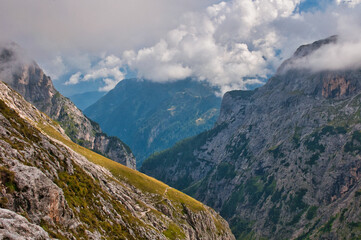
{"x": 25, "y": 76}
{"x": 305, "y": 50}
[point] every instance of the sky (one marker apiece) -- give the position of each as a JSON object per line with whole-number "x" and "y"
{"x": 91, "y": 45}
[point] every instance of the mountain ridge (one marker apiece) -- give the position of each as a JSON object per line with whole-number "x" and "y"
{"x": 55, "y": 188}
{"x": 282, "y": 161}
{"x": 26, "y": 77}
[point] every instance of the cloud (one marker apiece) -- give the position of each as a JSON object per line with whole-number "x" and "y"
{"x": 74, "y": 79}
{"x": 61, "y": 28}
{"x": 107, "y": 69}
{"x": 345, "y": 54}
{"x": 109, "y": 84}
{"x": 232, "y": 44}
{"x": 12, "y": 60}
{"x": 351, "y": 3}
{"x": 227, "y": 44}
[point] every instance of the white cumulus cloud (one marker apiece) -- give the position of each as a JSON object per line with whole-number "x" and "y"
{"x": 351, "y": 3}
{"x": 228, "y": 44}
{"x": 108, "y": 70}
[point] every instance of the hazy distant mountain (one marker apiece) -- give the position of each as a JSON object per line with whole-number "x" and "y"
{"x": 84, "y": 100}
{"x": 283, "y": 161}
{"x": 151, "y": 116}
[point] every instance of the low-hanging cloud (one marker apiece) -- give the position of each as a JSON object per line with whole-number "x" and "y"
{"x": 345, "y": 54}
{"x": 12, "y": 61}
{"x": 341, "y": 54}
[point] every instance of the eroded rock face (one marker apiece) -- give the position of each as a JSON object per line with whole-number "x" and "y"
{"x": 28, "y": 79}
{"x": 47, "y": 178}
{"x": 114, "y": 149}
{"x": 283, "y": 161}
{"x": 16, "y": 227}
{"x": 337, "y": 86}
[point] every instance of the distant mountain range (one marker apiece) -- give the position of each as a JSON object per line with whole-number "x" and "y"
{"x": 282, "y": 161}
{"x": 151, "y": 117}
{"x": 84, "y": 100}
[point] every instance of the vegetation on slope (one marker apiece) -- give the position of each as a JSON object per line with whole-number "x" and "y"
{"x": 84, "y": 194}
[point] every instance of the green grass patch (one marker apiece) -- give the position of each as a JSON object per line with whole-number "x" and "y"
{"x": 328, "y": 226}
{"x": 311, "y": 212}
{"x": 174, "y": 232}
{"x": 123, "y": 173}
{"x": 7, "y": 180}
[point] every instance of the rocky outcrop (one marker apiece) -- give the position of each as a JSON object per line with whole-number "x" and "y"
{"x": 27, "y": 78}
{"x": 74, "y": 193}
{"x": 14, "y": 226}
{"x": 283, "y": 161}
{"x": 114, "y": 149}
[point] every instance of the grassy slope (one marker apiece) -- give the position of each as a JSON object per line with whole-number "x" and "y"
{"x": 151, "y": 187}
{"x": 125, "y": 174}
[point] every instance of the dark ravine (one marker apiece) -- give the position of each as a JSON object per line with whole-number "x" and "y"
{"x": 283, "y": 161}
{"x": 27, "y": 78}
{"x": 151, "y": 116}
{"x": 52, "y": 188}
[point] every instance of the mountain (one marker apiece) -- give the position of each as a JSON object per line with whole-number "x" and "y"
{"x": 151, "y": 116}
{"x": 84, "y": 100}
{"x": 52, "y": 188}
{"x": 27, "y": 78}
{"x": 283, "y": 161}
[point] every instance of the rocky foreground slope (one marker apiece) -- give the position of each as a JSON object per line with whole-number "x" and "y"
{"x": 28, "y": 79}
{"x": 283, "y": 161}
{"x": 51, "y": 187}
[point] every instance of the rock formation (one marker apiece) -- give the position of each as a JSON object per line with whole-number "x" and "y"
{"x": 27, "y": 78}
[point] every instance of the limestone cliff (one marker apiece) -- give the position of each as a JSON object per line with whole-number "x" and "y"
{"x": 27, "y": 78}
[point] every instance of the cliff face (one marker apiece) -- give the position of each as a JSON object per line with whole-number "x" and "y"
{"x": 51, "y": 187}
{"x": 283, "y": 161}
{"x": 27, "y": 78}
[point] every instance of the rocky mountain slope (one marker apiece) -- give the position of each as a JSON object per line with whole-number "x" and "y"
{"x": 51, "y": 187}
{"x": 151, "y": 116}
{"x": 27, "y": 78}
{"x": 283, "y": 161}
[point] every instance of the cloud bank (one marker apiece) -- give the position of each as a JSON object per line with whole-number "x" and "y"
{"x": 232, "y": 44}
{"x": 238, "y": 43}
